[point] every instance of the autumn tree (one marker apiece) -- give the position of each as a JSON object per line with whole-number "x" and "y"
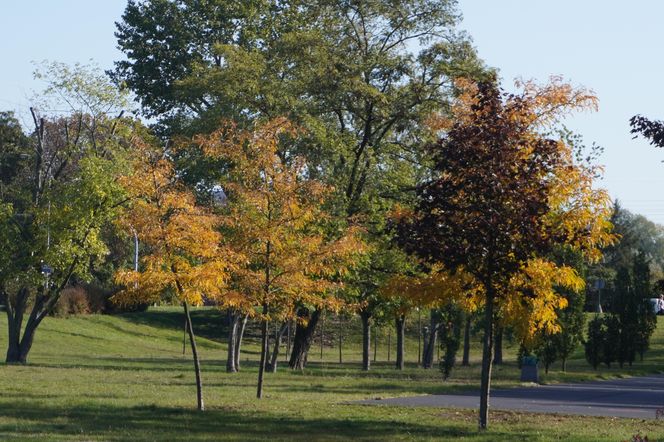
{"x": 293, "y": 251}
{"x": 430, "y": 288}
{"x": 501, "y": 196}
{"x": 58, "y": 189}
{"x": 361, "y": 77}
{"x": 183, "y": 253}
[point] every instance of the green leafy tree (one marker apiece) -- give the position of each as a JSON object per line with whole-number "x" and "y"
{"x": 594, "y": 344}
{"x": 572, "y": 321}
{"x": 452, "y": 319}
{"x": 612, "y": 347}
{"x": 60, "y": 193}
{"x": 546, "y": 350}
{"x": 363, "y": 79}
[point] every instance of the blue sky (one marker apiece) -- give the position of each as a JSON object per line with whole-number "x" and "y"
{"x": 612, "y": 47}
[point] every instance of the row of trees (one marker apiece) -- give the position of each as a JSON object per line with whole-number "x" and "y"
{"x": 306, "y": 156}
{"x": 624, "y": 332}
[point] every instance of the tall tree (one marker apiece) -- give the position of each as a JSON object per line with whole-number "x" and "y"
{"x": 502, "y": 195}
{"x": 361, "y": 77}
{"x": 58, "y": 189}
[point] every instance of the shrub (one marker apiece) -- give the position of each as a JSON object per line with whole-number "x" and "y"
{"x": 73, "y": 301}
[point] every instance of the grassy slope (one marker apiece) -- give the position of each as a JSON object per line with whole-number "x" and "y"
{"x": 124, "y": 377}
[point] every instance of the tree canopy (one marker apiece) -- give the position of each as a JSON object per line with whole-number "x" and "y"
{"x": 501, "y": 197}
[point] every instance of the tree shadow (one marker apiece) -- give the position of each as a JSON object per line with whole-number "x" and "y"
{"x": 208, "y": 323}
{"x": 140, "y": 423}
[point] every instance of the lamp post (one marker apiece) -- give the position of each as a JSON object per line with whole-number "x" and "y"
{"x": 599, "y": 285}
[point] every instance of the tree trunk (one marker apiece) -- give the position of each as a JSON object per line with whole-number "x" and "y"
{"x": 466, "y": 342}
{"x": 238, "y": 342}
{"x": 366, "y": 340}
{"x": 288, "y": 340}
{"x": 401, "y": 337}
{"x": 389, "y": 345}
{"x": 498, "y": 346}
{"x": 487, "y": 358}
{"x": 322, "y": 337}
{"x": 419, "y": 337}
{"x": 430, "y": 341}
{"x": 19, "y": 346}
{"x": 261, "y": 366}
{"x": 15, "y": 314}
{"x": 375, "y": 346}
{"x": 194, "y": 352}
{"x": 304, "y": 336}
{"x": 272, "y": 365}
{"x": 233, "y": 324}
{"x": 564, "y": 361}
{"x": 341, "y": 341}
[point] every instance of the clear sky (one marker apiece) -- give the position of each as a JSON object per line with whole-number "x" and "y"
{"x": 612, "y": 47}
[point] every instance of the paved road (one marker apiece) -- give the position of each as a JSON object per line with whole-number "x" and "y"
{"x": 637, "y": 397}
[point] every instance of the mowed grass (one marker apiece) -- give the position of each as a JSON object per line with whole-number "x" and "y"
{"x": 124, "y": 378}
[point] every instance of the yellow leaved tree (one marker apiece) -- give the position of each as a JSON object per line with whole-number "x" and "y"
{"x": 183, "y": 255}
{"x": 503, "y": 196}
{"x": 293, "y": 251}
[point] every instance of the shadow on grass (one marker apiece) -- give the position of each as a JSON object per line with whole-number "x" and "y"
{"x": 30, "y": 419}
{"x": 208, "y": 323}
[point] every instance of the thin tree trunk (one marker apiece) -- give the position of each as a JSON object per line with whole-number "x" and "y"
{"x": 430, "y": 341}
{"x": 564, "y": 360}
{"x": 485, "y": 382}
{"x": 184, "y": 338}
{"x": 375, "y": 346}
{"x": 498, "y": 346}
{"x": 322, "y": 337}
{"x": 238, "y": 342}
{"x": 389, "y": 345}
{"x": 401, "y": 337}
{"x": 272, "y": 365}
{"x": 366, "y": 340}
{"x": 288, "y": 340}
{"x": 194, "y": 351}
{"x": 261, "y": 366}
{"x": 304, "y": 337}
{"x": 466, "y": 342}
{"x": 341, "y": 359}
{"x": 233, "y": 323}
{"x": 419, "y": 337}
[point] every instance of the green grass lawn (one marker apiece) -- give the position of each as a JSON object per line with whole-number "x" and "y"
{"x": 124, "y": 378}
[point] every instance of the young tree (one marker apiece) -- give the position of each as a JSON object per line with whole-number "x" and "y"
{"x": 294, "y": 252}
{"x": 594, "y": 345}
{"x": 450, "y": 337}
{"x": 184, "y": 255}
{"x": 631, "y": 308}
{"x": 502, "y": 195}
{"x": 646, "y": 319}
{"x": 572, "y": 321}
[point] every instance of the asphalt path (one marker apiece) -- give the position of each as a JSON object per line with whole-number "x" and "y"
{"x": 637, "y": 397}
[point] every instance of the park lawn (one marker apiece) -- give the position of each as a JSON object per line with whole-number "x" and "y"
{"x": 124, "y": 378}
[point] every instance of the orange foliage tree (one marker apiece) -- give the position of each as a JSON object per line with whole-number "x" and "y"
{"x": 502, "y": 197}
{"x": 183, "y": 253}
{"x": 293, "y": 250}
